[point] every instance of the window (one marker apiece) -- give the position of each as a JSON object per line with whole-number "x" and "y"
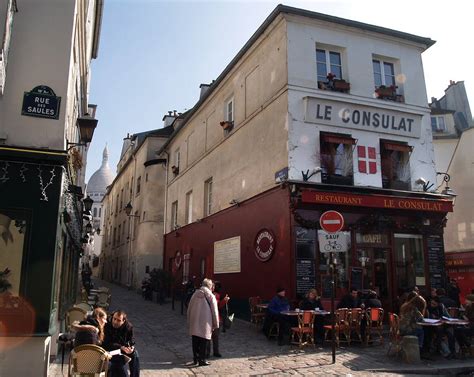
{"x": 189, "y": 207}
{"x": 100, "y": 212}
{"x": 116, "y": 205}
{"x": 395, "y": 163}
{"x": 437, "y": 124}
{"x": 328, "y": 62}
{"x": 174, "y": 215}
{"x": 186, "y": 260}
{"x": 175, "y": 166}
{"x": 336, "y": 159}
{"x": 121, "y": 199}
{"x": 384, "y": 74}
{"x": 208, "y": 197}
{"x": 95, "y": 212}
{"x": 229, "y": 110}
{"x": 138, "y": 185}
{"x": 119, "y": 233}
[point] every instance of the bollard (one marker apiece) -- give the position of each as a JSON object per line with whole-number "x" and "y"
{"x": 410, "y": 349}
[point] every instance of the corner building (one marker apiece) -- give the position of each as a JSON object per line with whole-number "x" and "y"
{"x": 315, "y": 113}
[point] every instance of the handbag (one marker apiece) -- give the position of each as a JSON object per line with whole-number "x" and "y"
{"x": 228, "y": 318}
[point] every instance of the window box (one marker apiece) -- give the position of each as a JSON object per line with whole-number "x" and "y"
{"x": 335, "y": 85}
{"x": 226, "y": 125}
{"x": 175, "y": 169}
{"x": 387, "y": 92}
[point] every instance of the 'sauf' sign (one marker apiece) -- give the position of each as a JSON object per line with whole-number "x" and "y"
{"x": 41, "y": 102}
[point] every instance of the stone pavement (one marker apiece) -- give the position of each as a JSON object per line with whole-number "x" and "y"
{"x": 165, "y": 350}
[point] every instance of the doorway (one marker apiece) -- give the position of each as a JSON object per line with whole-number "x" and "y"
{"x": 374, "y": 263}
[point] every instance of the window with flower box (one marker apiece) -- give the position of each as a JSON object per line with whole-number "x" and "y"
{"x": 438, "y": 124}
{"x": 337, "y": 159}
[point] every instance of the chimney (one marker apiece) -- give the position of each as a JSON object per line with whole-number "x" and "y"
{"x": 204, "y": 88}
{"x": 169, "y": 118}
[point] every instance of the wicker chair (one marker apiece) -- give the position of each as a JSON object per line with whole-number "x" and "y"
{"x": 257, "y": 316}
{"x": 74, "y": 314}
{"x": 343, "y": 320}
{"x": 103, "y": 300}
{"x": 84, "y": 306}
{"x": 395, "y": 338}
{"x": 89, "y": 360}
{"x": 305, "y": 330}
{"x": 357, "y": 316}
{"x": 374, "y": 324}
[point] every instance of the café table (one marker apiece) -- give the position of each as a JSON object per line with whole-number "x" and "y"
{"x": 439, "y": 322}
{"x": 296, "y": 312}
{"x": 262, "y": 306}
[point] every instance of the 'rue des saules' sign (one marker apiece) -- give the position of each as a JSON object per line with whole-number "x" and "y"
{"x": 41, "y": 102}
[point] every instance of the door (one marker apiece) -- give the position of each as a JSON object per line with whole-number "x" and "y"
{"x": 375, "y": 264}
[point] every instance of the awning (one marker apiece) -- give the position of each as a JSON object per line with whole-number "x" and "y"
{"x": 338, "y": 139}
{"x": 397, "y": 147}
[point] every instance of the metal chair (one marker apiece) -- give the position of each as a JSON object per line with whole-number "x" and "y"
{"x": 305, "y": 329}
{"x": 89, "y": 360}
{"x": 374, "y": 324}
{"x": 357, "y": 316}
{"x": 394, "y": 333}
{"x": 342, "y": 326}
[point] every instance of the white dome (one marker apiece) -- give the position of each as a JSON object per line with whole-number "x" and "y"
{"x": 102, "y": 178}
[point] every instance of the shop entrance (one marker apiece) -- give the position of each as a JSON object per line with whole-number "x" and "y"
{"x": 372, "y": 258}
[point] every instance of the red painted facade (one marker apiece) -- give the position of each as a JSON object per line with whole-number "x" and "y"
{"x": 460, "y": 266}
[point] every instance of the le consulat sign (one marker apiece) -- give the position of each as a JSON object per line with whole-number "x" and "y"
{"x": 41, "y": 102}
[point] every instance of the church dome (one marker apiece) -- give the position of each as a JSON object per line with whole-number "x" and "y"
{"x": 102, "y": 178}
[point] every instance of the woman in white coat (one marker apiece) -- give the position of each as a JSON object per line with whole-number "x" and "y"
{"x": 203, "y": 318}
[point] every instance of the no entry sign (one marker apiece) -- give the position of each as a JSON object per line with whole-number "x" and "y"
{"x": 331, "y": 221}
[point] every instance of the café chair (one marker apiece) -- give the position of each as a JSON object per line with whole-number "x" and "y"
{"x": 274, "y": 330}
{"x": 74, "y": 314}
{"x": 394, "y": 334}
{"x": 103, "y": 289}
{"x": 342, "y": 326}
{"x": 89, "y": 360}
{"x": 374, "y": 324}
{"x": 305, "y": 330}
{"x": 357, "y": 317}
{"x": 257, "y": 316}
{"x": 453, "y": 312}
{"x": 103, "y": 300}
{"x": 66, "y": 339}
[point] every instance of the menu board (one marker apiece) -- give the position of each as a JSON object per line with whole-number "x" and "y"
{"x": 305, "y": 276}
{"x": 356, "y": 278}
{"x": 436, "y": 260}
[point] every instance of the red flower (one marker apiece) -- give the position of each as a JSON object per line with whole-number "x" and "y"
{"x": 330, "y": 76}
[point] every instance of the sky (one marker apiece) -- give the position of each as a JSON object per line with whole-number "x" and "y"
{"x": 153, "y": 54}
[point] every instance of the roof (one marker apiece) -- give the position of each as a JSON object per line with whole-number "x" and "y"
{"x": 299, "y": 12}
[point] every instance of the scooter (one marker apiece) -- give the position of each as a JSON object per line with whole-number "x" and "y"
{"x": 146, "y": 289}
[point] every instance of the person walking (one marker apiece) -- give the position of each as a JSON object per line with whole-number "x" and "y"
{"x": 203, "y": 318}
{"x": 221, "y": 303}
{"x": 118, "y": 334}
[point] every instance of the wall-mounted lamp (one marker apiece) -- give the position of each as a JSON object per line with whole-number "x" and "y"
{"x": 234, "y": 202}
{"x": 87, "y": 202}
{"x": 128, "y": 210}
{"x": 423, "y": 182}
{"x": 447, "y": 190}
{"x": 308, "y": 175}
{"x": 86, "y": 125}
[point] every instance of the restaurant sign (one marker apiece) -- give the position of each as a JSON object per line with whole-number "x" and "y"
{"x": 360, "y": 117}
{"x": 41, "y": 102}
{"x": 377, "y": 201}
{"x": 264, "y": 245}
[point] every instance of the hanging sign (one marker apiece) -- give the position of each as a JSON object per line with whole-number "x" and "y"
{"x": 41, "y": 102}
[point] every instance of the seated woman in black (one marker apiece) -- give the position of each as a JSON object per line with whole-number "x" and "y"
{"x": 91, "y": 330}
{"x": 312, "y": 301}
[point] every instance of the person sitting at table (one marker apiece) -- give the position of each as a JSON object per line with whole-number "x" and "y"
{"x": 312, "y": 301}
{"x": 278, "y": 304}
{"x": 350, "y": 300}
{"x": 373, "y": 301}
{"x": 91, "y": 330}
{"x": 436, "y": 310}
{"x": 464, "y": 334}
{"x": 411, "y": 313}
{"x": 445, "y": 300}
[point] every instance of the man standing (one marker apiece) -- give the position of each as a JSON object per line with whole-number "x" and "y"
{"x": 118, "y": 334}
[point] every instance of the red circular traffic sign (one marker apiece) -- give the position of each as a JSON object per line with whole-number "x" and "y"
{"x": 331, "y": 221}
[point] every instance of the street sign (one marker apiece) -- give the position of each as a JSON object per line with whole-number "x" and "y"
{"x": 333, "y": 242}
{"x": 331, "y": 221}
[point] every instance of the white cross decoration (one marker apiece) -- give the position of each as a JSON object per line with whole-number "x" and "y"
{"x": 367, "y": 159}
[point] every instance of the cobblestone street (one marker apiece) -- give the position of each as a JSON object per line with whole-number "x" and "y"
{"x": 165, "y": 349}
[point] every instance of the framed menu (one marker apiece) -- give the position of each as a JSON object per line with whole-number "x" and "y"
{"x": 436, "y": 260}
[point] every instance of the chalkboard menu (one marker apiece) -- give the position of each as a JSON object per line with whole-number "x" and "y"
{"x": 356, "y": 278}
{"x": 305, "y": 276}
{"x": 326, "y": 286}
{"x": 436, "y": 260}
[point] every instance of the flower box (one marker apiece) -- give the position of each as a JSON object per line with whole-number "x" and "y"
{"x": 386, "y": 92}
{"x": 341, "y": 86}
{"x": 227, "y": 125}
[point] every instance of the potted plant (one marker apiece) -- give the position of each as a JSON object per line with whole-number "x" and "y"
{"x": 227, "y": 125}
